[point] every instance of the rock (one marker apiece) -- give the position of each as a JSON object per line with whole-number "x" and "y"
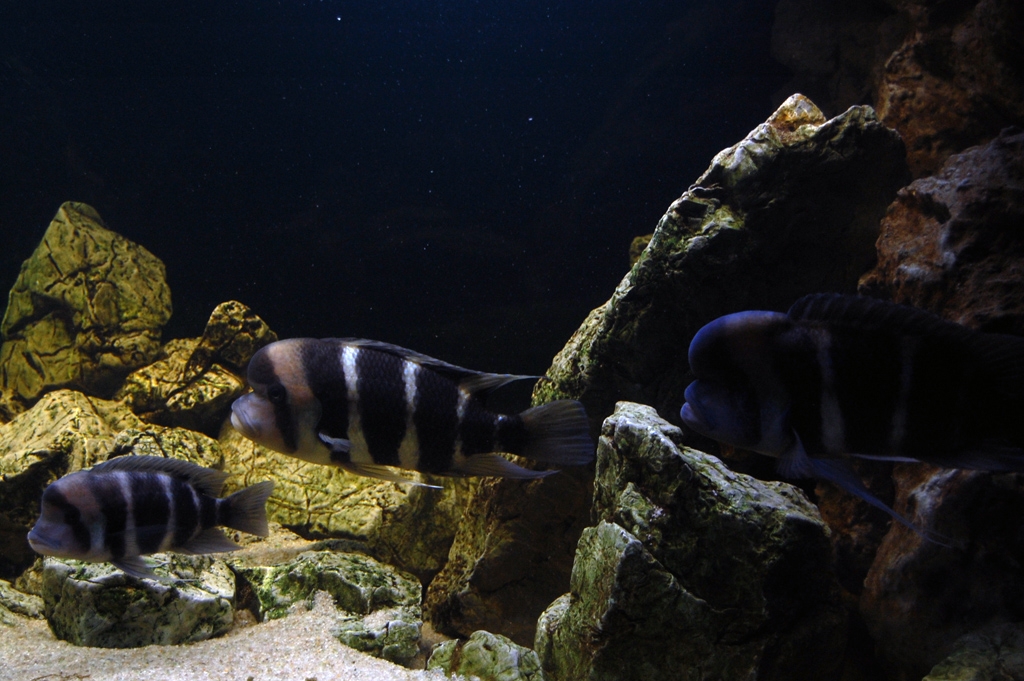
{"x": 919, "y": 597}
{"x": 408, "y": 526}
{"x": 953, "y": 243}
{"x": 487, "y": 657}
{"x": 14, "y": 602}
{"x": 392, "y": 634}
{"x": 511, "y": 557}
{"x": 195, "y": 381}
{"x": 693, "y": 572}
{"x": 86, "y": 310}
{"x": 796, "y": 204}
{"x": 957, "y": 78}
{"x": 993, "y": 654}
{"x": 358, "y": 583}
{"x": 835, "y": 49}
{"x": 95, "y": 604}
{"x": 232, "y": 336}
{"x": 382, "y": 605}
{"x": 65, "y": 431}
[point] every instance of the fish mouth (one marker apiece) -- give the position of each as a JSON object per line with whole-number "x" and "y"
{"x": 692, "y": 415}
{"x": 41, "y": 544}
{"x": 240, "y": 418}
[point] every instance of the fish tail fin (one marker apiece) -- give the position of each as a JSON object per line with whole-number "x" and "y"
{"x": 246, "y": 510}
{"x": 558, "y": 433}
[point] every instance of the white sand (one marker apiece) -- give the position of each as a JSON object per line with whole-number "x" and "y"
{"x": 296, "y": 648}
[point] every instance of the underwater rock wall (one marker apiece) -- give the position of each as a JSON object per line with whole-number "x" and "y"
{"x": 86, "y": 309}
{"x": 946, "y": 75}
{"x": 791, "y": 209}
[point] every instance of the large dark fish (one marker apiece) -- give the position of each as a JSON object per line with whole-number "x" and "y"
{"x": 843, "y": 375}
{"x": 365, "y": 406}
{"x": 131, "y": 506}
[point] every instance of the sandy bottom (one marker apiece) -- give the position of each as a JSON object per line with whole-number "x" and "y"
{"x": 298, "y": 647}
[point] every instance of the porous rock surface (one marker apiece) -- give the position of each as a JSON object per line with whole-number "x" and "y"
{"x": 87, "y": 308}
{"x": 487, "y": 657}
{"x": 791, "y": 209}
{"x": 956, "y": 79}
{"x": 194, "y": 382}
{"x": 95, "y": 604}
{"x": 952, "y": 244}
{"x": 693, "y": 571}
{"x": 382, "y": 614}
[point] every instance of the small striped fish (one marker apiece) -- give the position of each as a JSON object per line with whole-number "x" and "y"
{"x": 366, "y": 406}
{"x": 848, "y": 376}
{"x": 132, "y": 506}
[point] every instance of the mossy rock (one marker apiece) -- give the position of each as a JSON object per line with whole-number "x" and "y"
{"x": 357, "y": 583}
{"x": 87, "y": 308}
{"x": 95, "y": 604}
{"x": 487, "y": 657}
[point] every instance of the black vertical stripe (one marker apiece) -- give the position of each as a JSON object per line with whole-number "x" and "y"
{"x": 381, "y": 403}
{"x": 436, "y": 420}
{"x": 868, "y": 369}
{"x": 510, "y": 433}
{"x": 325, "y": 376}
{"x": 151, "y": 511}
{"x": 796, "y": 361}
{"x": 478, "y": 429}
{"x": 186, "y": 513}
{"x": 208, "y": 512}
{"x": 114, "y": 507}
{"x": 72, "y": 516}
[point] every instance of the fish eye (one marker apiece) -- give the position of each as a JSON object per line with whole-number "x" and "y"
{"x": 276, "y": 393}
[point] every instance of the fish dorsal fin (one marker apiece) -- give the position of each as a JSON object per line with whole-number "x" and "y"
{"x": 872, "y": 313}
{"x": 474, "y": 382}
{"x": 205, "y": 480}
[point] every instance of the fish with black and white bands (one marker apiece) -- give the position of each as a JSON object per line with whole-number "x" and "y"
{"x": 371, "y": 408}
{"x": 841, "y": 376}
{"x": 132, "y": 506}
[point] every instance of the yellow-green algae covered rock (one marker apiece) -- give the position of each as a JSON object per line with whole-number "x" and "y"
{"x": 64, "y": 432}
{"x": 87, "y": 308}
{"x": 381, "y": 605}
{"x": 408, "y": 526}
{"x": 488, "y": 657}
{"x": 194, "y": 381}
{"x": 95, "y": 604}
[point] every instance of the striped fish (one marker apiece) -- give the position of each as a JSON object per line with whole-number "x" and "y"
{"x": 848, "y": 376}
{"x": 132, "y": 506}
{"x": 370, "y": 407}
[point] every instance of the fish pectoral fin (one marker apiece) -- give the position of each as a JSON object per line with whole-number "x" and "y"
{"x": 795, "y": 463}
{"x": 212, "y": 540}
{"x": 337, "y": 445}
{"x": 136, "y": 567}
{"x": 386, "y": 473}
{"x": 497, "y": 466}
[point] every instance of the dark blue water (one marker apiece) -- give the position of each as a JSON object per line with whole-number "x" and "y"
{"x": 463, "y": 178}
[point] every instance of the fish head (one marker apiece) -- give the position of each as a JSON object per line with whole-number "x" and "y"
{"x": 737, "y": 397}
{"x": 282, "y": 412}
{"x": 727, "y": 414}
{"x": 63, "y": 527}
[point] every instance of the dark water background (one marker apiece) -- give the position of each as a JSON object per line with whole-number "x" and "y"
{"x": 463, "y": 178}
